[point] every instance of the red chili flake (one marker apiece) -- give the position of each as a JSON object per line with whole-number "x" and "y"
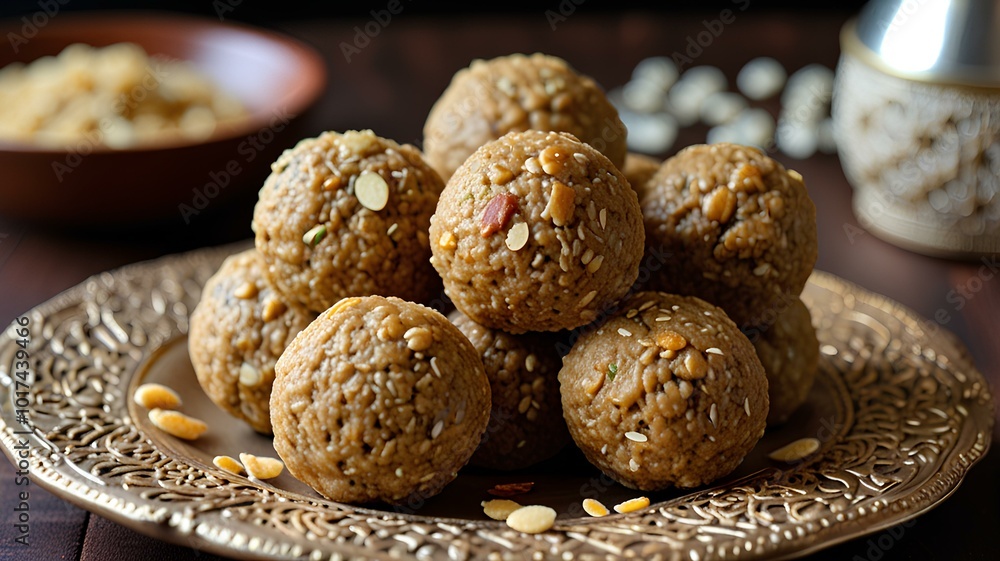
{"x": 497, "y": 213}
{"x": 511, "y": 489}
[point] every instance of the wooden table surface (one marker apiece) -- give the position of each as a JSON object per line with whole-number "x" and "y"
{"x": 389, "y": 86}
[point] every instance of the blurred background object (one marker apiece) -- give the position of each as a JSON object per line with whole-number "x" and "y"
{"x": 917, "y": 113}
{"x": 109, "y": 157}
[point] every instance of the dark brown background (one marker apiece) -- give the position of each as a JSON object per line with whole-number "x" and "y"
{"x": 389, "y": 87}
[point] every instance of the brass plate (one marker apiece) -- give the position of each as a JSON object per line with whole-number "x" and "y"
{"x": 899, "y": 409}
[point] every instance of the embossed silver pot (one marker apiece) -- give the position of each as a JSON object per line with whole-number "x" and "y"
{"x": 916, "y": 111}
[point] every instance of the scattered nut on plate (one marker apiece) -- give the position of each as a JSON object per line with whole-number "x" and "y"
{"x": 595, "y": 508}
{"x": 177, "y": 424}
{"x": 795, "y": 451}
{"x": 632, "y": 505}
{"x": 499, "y": 509}
{"x": 228, "y": 463}
{"x": 156, "y": 396}
{"x": 261, "y": 467}
{"x": 532, "y": 519}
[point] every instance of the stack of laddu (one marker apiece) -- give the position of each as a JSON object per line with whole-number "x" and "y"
{"x": 521, "y": 211}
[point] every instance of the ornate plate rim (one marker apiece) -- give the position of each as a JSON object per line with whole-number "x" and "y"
{"x": 127, "y": 504}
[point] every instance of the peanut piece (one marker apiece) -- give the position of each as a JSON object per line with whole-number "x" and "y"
{"x": 499, "y": 509}
{"x": 228, "y": 463}
{"x": 671, "y": 341}
{"x": 156, "y": 396}
{"x": 261, "y": 467}
{"x": 177, "y": 424}
{"x": 418, "y": 338}
{"x": 795, "y": 451}
{"x": 719, "y": 205}
{"x": 561, "y": 204}
{"x": 632, "y": 505}
{"x": 595, "y": 508}
{"x": 371, "y": 190}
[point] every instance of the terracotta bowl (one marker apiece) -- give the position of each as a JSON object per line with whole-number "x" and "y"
{"x": 276, "y": 78}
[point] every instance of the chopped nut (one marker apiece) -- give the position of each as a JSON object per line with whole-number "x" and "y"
{"x": 314, "y": 235}
{"x": 719, "y": 205}
{"x": 632, "y": 505}
{"x": 696, "y": 366}
{"x": 228, "y": 463}
{"x": 177, "y": 424}
{"x": 272, "y": 309}
{"x": 532, "y": 519}
{"x": 418, "y": 338}
{"x": 447, "y": 240}
{"x": 261, "y": 467}
{"x": 747, "y": 177}
{"x": 795, "y": 451}
{"x": 552, "y": 160}
{"x": 499, "y": 175}
{"x": 436, "y": 431}
{"x": 246, "y": 291}
{"x": 499, "y": 509}
{"x": 531, "y": 165}
{"x": 250, "y": 376}
{"x": 604, "y": 217}
{"x": 561, "y": 204}
{"x": 612, "y": 371}
{"x": 371, "y": 190}
{"x": 795, "y": 175}
{"x": 511, "y": 489}
{"x": 517, "y": 237}
{"x": 671, "y": 340}
{"x": 624, "y": 332}
{"x": 636, "y": 436}
{"x": 156, "y": 396}
{"x": 497, "y": 213}
{"x": 595, "y": 508}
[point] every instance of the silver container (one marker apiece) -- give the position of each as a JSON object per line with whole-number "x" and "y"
{"x": 916, "y": 111}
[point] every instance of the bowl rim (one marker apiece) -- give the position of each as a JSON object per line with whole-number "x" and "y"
{"x": 296, "y": 100}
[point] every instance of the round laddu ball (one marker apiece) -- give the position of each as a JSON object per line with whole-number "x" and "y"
{"x": 347, "y": 215}
{"x": 516, "y": 93}
{"x": 787, "y": 346}
{"x": 536, "y": 231}
{"x": 667, "y": 392}
{"x": 526, "y": 422}
{"x": 638, "y": 170}
{"x": 742, "y": 229}
{"x": 238, "y": 330}
{"x": 379, "y": 399}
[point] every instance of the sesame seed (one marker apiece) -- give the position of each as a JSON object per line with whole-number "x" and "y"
{"x": 604, "y": 217}
{"x": 530, "y": 362}
{"x": 633, "y": 465}
{"x": 662, "y": 318}
{"x": 587, "y": 299}
{"x": 579, "y": 157}
{"x": 675, "y": 307}
{"x": 636, "y": 436}
{"x": 399, "y": 472}
{"x": 392, "y": 229}
{"x": 438, "y": 427}
{"x": 713, "y": 415}
{"x": 632, "y": 313}
{"x": 434, "y": 366}
{"x": 746, "y": 405}
{"x": 624, "y": 332}
{"x": 714, "y": 351}
{"x": 647, "y": 305}
{"x": 522, "y": 443}
{"x": 604, "y": 449}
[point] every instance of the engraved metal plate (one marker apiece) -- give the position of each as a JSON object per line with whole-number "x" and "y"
{"x": 899, "y": 409}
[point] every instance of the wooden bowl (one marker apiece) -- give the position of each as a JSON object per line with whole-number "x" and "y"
{"x": 275, "y": 77}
